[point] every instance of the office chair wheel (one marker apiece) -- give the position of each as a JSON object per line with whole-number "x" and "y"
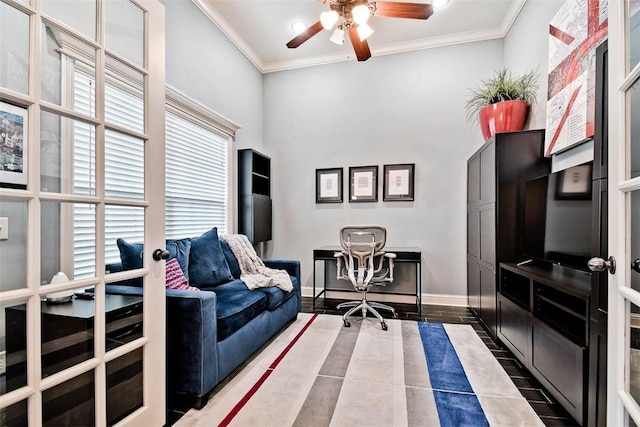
{"x": 347, "y": 323}
{"x": 384, "y": 326}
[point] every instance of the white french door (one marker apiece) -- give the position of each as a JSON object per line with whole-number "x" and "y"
{"x": 623, "y": 384}
{"x": 82, "y": 99}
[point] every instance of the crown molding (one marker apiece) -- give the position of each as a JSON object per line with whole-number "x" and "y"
{"x": 448, "y": 40}
{"x": 218, "y": 20}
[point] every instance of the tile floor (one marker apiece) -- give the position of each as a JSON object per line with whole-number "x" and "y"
{"x": 550, "y": 412}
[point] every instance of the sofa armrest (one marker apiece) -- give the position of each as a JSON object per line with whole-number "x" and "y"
{"x": 291, "y": 266}
{"x": 192, "y": 351}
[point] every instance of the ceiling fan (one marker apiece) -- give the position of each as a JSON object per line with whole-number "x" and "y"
{"x": 355, "y": 14}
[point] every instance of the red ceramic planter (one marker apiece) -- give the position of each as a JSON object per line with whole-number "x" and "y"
{"x": 504, "y": 116}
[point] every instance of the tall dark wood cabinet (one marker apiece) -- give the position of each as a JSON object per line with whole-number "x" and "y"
{"x": 254, "y": 196}
{"x": 496, "y": 177}
{"x": 597, "y": 387}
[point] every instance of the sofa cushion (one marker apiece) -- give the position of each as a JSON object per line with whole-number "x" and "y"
{"x": 236, "y": 305}
{"x": 275, "y": 295}
{"x": 131, "y": 255}
{"x": 234, "y": 267}
{"x": 207, "y": 264}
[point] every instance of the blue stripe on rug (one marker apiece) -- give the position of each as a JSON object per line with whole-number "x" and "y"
{"x": 456, "y": 403}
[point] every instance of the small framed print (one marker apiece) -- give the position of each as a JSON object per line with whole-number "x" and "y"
{"x": 398, "y": 182}
{"x": 13, "y": 146}
{"x": 363, "y": 184}
{"x": 574, "y": 183}
{"x": 329, "y": 185}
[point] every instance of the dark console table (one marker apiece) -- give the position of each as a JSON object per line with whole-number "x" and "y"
{"x": 407, "y": 274}
{"x": 68, "y": 339}
{"x": 543, "y": 318}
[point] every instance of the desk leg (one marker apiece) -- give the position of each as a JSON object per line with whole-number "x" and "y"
{"x": 419, "y": 284}
{"x": 313, "y": 296}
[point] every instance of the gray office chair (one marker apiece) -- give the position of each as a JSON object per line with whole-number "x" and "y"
{"x": 364, "y": 266}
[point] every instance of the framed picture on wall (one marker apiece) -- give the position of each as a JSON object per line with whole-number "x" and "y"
{"x": 13, "y": 146}
{"x": 363, "y": 184}
{"x": 398, "y": 182}
{"x": 329, "y": 185}
{"x": 574, "y": 183}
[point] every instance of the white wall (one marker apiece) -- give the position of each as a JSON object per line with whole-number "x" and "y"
{"x": 202, "y": 63}
{"x": 405, "y": 108}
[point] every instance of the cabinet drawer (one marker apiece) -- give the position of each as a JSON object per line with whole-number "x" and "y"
{"x": 560, "y": 362}
{"x": 514, "y": 327}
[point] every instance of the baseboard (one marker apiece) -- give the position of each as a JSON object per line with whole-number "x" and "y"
{"x": 431, "y": 299}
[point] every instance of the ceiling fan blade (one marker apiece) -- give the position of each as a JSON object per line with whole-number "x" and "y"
{"x": 360, "y": 47}
{"x": 305, "y": 35}
{"x": 403, "y": 10}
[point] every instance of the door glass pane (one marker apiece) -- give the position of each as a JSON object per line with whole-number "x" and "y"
{"x": 67, "y": 155}
{"x": 124, "y": 166}
{"x": 124, "y": 320}
{"x": 634, "y": 352}
{"x": 67, "y": 333}
{"x": 123, "y": 103}
{"x": 125, "y": 29}
{"x": 68, "y": 233}
{"x": 14, "y": 49}
{"x": 13, "y": 251}
{"x": 64, "y": 56}
{"x": 70, "y": 403}
{"x": 633, "y": 95}
{"x": 126, "y": 223}
{"x": 124, "y": 386}
{"x": 634, "y": 33}
{"x": 15, "y": 415}
{"x": 77, "y": 14}
{"x": 634, "y": 240}
{"x": 13, "y": 316}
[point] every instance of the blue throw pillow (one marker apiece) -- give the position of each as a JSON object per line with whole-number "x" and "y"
{"x": 207, "y": 264}
{"x": 131, "y": 255}
{"x": 234, "y": 267}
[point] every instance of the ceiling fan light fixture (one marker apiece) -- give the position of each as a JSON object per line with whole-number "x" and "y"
{"x": 328, "y": 19}
{"x": 364, "y": 31}
{"x": 437, "y": 4}
{"x": 360, "y": 14}
{"x": 338, "y": 36}
{"x": 297, "y": 26}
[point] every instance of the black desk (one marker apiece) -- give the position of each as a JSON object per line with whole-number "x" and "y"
{"x": 403, "y": 255}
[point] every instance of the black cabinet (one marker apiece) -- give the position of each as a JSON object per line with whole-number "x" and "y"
{"x": 543, "y": 315}
{"x": 254, "y": 196}
{"x": 496, "y": 177}
{"x": 68, "y": 339}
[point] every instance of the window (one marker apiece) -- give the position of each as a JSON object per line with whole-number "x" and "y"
{"x": 197, "y": 153}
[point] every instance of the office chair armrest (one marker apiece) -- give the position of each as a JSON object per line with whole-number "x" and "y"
{"x": 338, "y": 256}
{"x": 390, "y": 257}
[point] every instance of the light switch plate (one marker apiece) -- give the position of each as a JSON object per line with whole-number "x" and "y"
{"x": 4, "y": 228}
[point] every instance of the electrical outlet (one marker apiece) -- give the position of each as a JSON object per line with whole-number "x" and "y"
{"x": 3, "y": 362}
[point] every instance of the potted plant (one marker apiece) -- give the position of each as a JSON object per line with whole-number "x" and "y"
{"x": 501, "y": 102}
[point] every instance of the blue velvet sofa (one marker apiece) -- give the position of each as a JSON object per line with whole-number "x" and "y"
{"x": 212, "y": 331}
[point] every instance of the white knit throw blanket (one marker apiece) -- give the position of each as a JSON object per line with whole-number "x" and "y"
{"x": 252, "y": 270}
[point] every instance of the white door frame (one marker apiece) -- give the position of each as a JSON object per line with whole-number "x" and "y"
{"x": 619, "y": 401}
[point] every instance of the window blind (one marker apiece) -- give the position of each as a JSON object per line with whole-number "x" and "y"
{"x": 196, "y": 179}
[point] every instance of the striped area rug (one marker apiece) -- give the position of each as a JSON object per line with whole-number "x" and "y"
{"x": 319, "y": 373}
